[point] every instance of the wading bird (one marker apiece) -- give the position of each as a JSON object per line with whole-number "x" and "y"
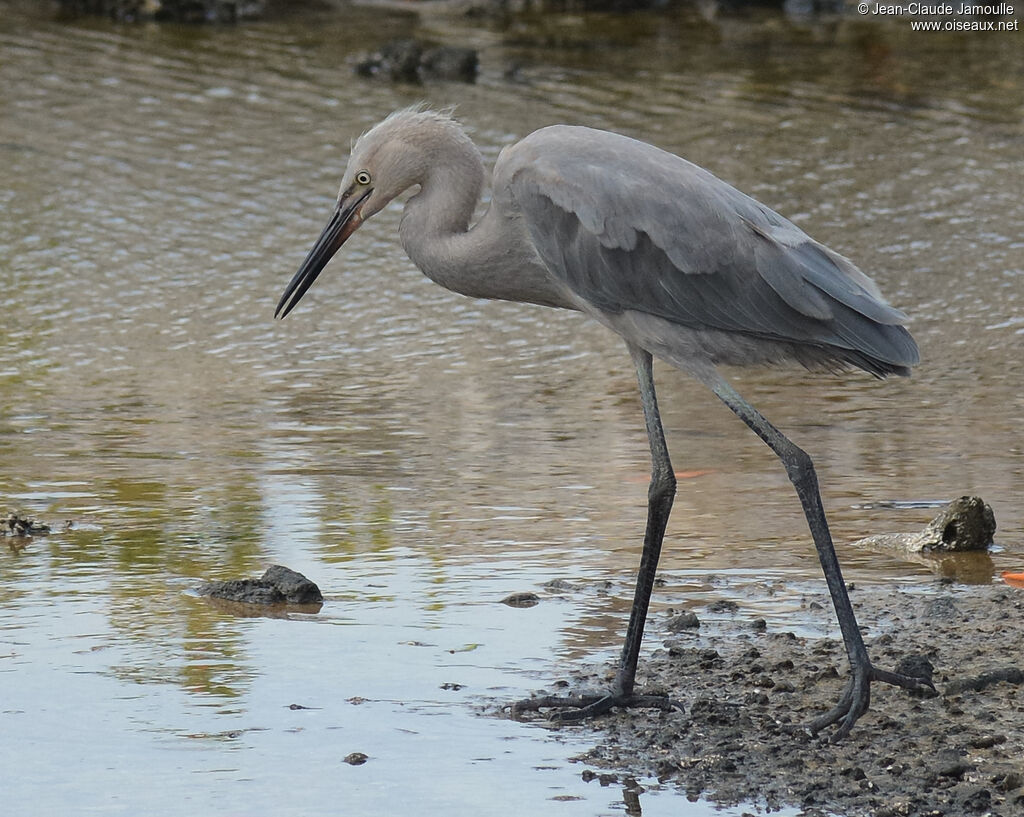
{"x": 678, "y": 263}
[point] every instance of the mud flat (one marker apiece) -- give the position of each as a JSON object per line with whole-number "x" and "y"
{"x": 747, "y": 689}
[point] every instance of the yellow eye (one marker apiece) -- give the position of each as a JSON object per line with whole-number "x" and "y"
{"x": 363, "y": 178}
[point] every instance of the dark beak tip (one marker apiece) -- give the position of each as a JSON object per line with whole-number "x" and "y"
{"x": 337, "y": 231}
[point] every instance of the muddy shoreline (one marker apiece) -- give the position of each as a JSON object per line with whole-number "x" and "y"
{"x": 748, "y": 689}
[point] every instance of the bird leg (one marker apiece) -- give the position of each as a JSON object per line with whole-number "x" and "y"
{"x": 659, "y": 505}
{"x": 856, "y": 696}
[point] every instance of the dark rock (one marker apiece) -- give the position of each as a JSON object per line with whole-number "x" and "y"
{"x": 25, "y": 526}
{"x": 1010, "y": 675}
{"x": 1010, "y": 781}
{"x": 683, "y": 621}
{"x": 521, "y": 600}
{"x": 978, "y": 800}
{"x": 278, "y": 585}
{"x": 356, "y": 759}
{"x": 176, "y": 11}
{"x": 559, "y": 586}
{"x": 246, "y": 591}
{"x": 916, "y": 666}
{"x": 397, "y": 60}
{"x": 955, "y": 770}
{"x": 987, "y": 741}
{"x": 297, "y": 589}
{"x": 451, "y": 63}
{"x": 411, "y": 61}
{"x": 723, "y": 606}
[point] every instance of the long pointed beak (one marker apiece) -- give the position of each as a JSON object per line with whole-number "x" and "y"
{"x": 343, "y": 223}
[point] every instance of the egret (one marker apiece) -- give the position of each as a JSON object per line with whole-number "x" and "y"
{"x": 675, "y": 261}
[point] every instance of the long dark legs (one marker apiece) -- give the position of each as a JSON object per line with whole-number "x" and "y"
{"x": 855, "y": 698}
{"x": 660, "y": 494}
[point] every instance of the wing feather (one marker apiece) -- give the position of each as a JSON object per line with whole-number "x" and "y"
{"x": 627, "y": 226}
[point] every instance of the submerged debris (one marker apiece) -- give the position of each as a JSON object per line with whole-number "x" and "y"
{"x": 965, "y": 524}
{"x": 278, "y": 585}
{"x": 25, "y": 526}
{"x": 413, "y": 61}
{"x": 954, "y": 544}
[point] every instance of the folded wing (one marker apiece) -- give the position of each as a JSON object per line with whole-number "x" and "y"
{"x": 627, "y": 226}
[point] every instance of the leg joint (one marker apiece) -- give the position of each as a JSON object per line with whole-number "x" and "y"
{"x": 663, "y": 485}
{"x": 799, "y": 464}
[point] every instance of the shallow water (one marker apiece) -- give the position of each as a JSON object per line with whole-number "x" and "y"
{"x": 422, "y": 455}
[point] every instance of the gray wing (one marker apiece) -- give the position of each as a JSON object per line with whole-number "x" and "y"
{"x": 627, "y": 226}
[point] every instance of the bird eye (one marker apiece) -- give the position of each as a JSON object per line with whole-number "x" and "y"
{"x": 362, "y": 177}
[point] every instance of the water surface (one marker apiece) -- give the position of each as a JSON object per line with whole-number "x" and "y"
{"x": 418, "y": 454}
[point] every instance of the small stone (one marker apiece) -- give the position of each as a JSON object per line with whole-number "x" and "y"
{"x": 1010, "y": 781}
{"x": 521, "y": 600}
{"x": 916, "y": 666}
{"x": 683, "y": 621}
{"x": 1009, "y": 675}
{"x": 559, "y": 586}
{"x": 942, "y": 608}
{"x": 451, "y": 63}
{"x": 955, "y": 770}
{"x": 986, "y": 741}
{"x": 978, "y": 800}
{"x": 356, "y": 759}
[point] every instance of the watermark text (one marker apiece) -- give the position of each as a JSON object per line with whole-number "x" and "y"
{"x": 950, "y": 15}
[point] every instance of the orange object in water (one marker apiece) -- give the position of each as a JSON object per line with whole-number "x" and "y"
{"x": 700, "y": 472}
{"x": 1013, "y": 579}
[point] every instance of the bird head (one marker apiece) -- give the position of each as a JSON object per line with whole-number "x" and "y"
{"x": 385, "y": 162}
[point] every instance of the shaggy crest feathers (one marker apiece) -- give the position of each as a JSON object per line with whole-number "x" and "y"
{"x": 417, "y": 124}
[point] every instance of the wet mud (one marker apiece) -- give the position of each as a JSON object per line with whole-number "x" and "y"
{"x": 749, "y": 688}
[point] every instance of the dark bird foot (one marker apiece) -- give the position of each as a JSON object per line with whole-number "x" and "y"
{"x": 581, "y": 707}
{"x": 857, "y": 695}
